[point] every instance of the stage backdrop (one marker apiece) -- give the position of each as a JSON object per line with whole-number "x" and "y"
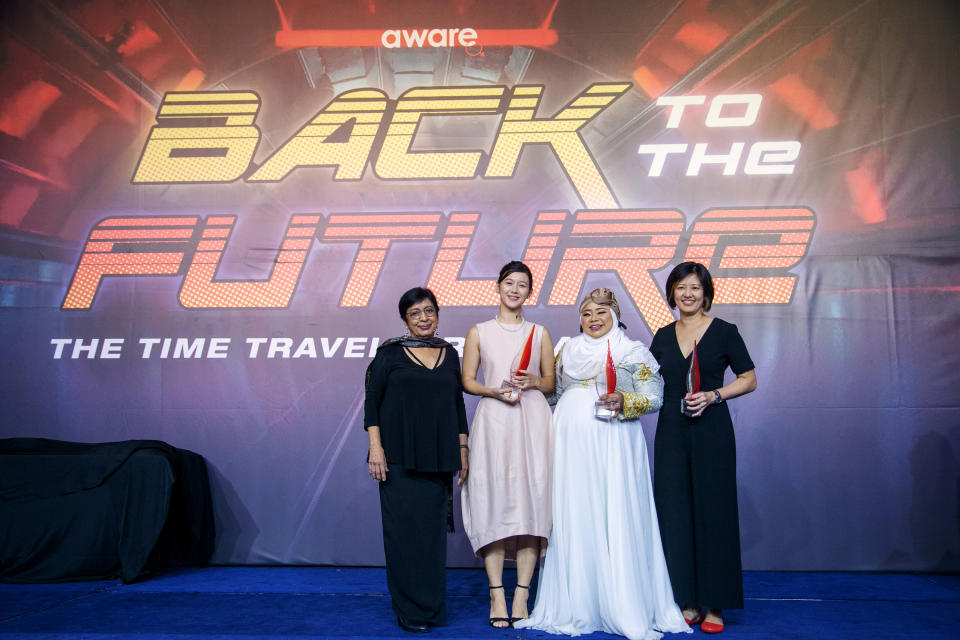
{"x": 208, "y": 211}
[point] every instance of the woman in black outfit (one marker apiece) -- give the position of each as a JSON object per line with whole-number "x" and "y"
{"x": 695, "y": 475}
{"x": 417, "y": 424}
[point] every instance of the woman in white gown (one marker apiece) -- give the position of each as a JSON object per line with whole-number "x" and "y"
{"x": 604, "y": 568}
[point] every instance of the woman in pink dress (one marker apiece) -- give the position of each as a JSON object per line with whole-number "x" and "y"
{"x": 506, "y": 499}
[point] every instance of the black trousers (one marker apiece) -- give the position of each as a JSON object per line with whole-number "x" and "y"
{"x": 413, "y": 507}
{"x": 695, "y": 489}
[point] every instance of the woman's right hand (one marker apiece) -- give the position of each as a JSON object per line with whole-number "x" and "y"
{"x": 377, "y": 464}
{"x": 510, "y": 396}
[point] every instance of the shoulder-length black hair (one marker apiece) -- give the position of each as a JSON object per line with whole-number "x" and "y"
{"x": 413, "y": 296}
{"x": 515, "y": 266}
{"x": 680, "y": 272}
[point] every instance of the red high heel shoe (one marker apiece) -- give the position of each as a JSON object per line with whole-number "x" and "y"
{"x": 696, "y": 620}
{"x": 711, "y": 627}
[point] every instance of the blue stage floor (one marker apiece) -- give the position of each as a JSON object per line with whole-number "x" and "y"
{"x": 290, "y": 602}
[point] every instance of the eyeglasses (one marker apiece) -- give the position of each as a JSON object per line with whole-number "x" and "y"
{"x": 427, "y": 312}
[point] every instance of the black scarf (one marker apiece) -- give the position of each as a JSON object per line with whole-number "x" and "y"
{"x": 411, "y": 342}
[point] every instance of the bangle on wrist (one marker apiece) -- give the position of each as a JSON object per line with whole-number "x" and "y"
{"x": 463, "y": 446}
{"x": 717, "y": 397}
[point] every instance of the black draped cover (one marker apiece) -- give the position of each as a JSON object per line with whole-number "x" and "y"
{"x": 74, "y": 511}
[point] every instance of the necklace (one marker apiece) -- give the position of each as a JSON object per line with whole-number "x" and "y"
{"x": 513, "y": 328}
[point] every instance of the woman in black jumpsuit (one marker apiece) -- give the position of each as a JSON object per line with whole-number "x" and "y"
{"x": 417, "y": 425}
{"x": 695, "y": 477}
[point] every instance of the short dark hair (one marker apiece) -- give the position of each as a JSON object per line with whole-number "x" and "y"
{"x": 413, "y": 296}
{"x": 680, "y": 272}
{"x": 515, "y": 266}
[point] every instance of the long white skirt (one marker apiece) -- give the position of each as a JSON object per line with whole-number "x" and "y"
{"x": 604, "y": 569}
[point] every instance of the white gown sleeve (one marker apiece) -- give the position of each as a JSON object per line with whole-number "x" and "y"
{"x": 554, "y": 397}
{"x": 638, "y": 379}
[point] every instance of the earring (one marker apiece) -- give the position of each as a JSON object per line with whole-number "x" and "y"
{"x": 406, "y": 331}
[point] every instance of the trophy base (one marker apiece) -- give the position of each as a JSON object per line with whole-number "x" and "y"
{"x": 511, "y": 392}
{"x": 602, "y": 413}
{"x": 683, "y": 408}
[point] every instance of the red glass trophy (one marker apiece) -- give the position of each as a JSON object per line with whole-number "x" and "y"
{"x": 693, "y": 381}
{"x": 511, "y": 391}
{"x": 606, "y": 383}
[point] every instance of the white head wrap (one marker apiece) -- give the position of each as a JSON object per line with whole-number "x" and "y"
{"x": 584, "y": 355}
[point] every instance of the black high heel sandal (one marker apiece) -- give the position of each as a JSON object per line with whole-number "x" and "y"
{"x": 512, "y": 619}
{"x": 494, "y": 621}
{"x": 412, "y": 627}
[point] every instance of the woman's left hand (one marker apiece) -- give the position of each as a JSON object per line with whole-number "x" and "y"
{"x": 612, "y": 401}
{"x": 525, "y": 380}
{"x": 464, "y": 466}
{"x": 697, "y": 402}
